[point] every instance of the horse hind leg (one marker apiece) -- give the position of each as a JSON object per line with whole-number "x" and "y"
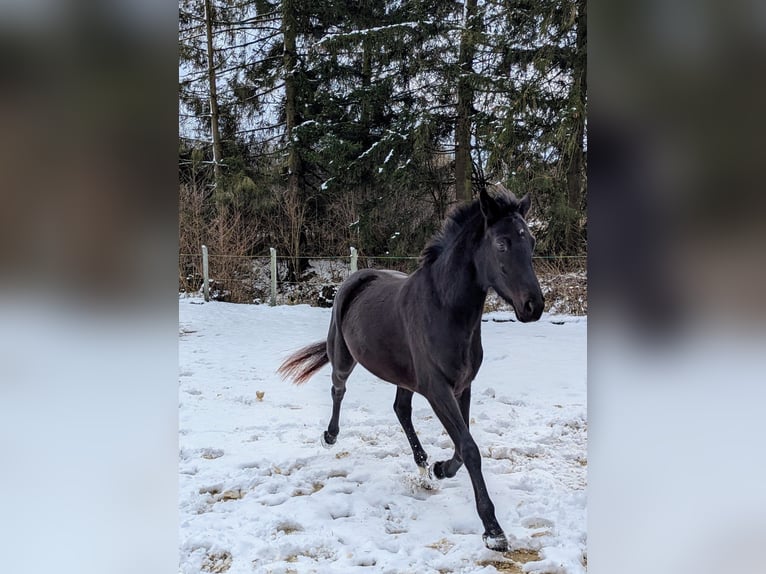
{"x": 342, "y": 364}
{"x": 337, "y": 391}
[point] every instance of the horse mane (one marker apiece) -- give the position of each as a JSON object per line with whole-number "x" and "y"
{"x": 466, "y": 217}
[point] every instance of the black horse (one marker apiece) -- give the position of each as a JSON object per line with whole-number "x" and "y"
{"x": 422, "y": 332}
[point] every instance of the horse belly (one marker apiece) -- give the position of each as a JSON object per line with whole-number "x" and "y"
{"x": 375, "y": 337}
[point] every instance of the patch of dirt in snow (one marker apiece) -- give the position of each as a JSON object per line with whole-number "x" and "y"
{"x": 308, "y": 491}
{"x": 216, "y": 562}
{"x": 289, "y": 527}
{"x": 442, "y": 545}
{"x": 515, "y": 559}
{"x": 211, "y": 453}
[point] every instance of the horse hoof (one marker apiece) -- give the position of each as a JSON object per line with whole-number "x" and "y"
{"x": 433, "y": 472}
{"x": 327, "y": 440}
{"x": 496, "y": 542}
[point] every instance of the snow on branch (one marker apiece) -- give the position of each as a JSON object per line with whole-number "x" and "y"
{"x": 364, "y": 32}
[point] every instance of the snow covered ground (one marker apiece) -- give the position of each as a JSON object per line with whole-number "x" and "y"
{"x": 259, "y": 494}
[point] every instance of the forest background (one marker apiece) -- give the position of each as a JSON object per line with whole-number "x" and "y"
{"x": 315, "y": 126}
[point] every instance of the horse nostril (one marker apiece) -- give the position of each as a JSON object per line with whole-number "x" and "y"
{"x": 529, "y": 307}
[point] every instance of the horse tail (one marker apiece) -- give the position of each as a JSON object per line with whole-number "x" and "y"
{"x": 302, "y": 364}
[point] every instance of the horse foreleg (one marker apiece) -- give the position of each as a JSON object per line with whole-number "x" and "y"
{"x": 448, "y": 468}
{"x": 403, "y": 410}
{"x": 446, "y": 408}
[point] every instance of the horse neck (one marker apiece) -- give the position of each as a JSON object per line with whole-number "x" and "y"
{"x": 456, "y": 281}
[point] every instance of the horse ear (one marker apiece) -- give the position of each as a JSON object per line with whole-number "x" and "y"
{"x": 489, "y": 207}
{"x": 524, "y": 204}
{"x": 506, "y": 191}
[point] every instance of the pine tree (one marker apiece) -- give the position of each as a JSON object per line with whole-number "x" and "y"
{"x": 472, "y": 26}
{"x": 363, "y": 122}
{"x": 530, "y": 121}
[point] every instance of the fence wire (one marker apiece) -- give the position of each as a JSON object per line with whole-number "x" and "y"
{"x": 314, "y": 280}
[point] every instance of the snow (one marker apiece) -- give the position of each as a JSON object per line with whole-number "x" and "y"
{"x": 369, "y": 151}
{"x": 364, "y": 32}
{"x": 258, "y": 493}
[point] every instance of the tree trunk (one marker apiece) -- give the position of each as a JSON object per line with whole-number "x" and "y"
{"x": 213, "y": 95}
{"x": 575, "y": 170}
{"x": 366, "y": 116}
{"x": 295, "y": 207}
{"x": 465, "y": 104}
{"x": 365, "y": 191}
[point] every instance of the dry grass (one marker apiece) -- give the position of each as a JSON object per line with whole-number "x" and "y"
{"x": 442, "y": 545}
{"x": 513, "y": 561}
{"x": 566, "y": 293}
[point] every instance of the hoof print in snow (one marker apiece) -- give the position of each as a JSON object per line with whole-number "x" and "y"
{"x": 217, "y": 562}
{"x": 231, "y": 495}
{"x": 442, "y": 545}
{"x": 211, "y": 453}
{"x": 365, "y": 560}
{"x": 395, "y": 528}
{"x": 337, "y": 513}
{"x": 288, "y": 527}
{"x": 536, "y": 522}
{"x": 423, "y": 481}
{"x": 308, "y": 490}
{"x": 212, "y": 490}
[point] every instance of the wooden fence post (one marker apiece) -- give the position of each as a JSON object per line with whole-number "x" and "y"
{"x": 354, "y": 255}
{"x": 205, "y": 275}
{"x": 273, "y": 268}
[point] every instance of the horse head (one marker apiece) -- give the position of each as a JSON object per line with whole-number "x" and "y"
{"x": 504, "y": 258}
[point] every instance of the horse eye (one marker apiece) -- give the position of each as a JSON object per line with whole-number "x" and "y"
{"x": 500, "y": 244}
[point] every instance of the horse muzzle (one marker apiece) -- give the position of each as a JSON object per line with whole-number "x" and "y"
{"x": 531, "y": 309}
